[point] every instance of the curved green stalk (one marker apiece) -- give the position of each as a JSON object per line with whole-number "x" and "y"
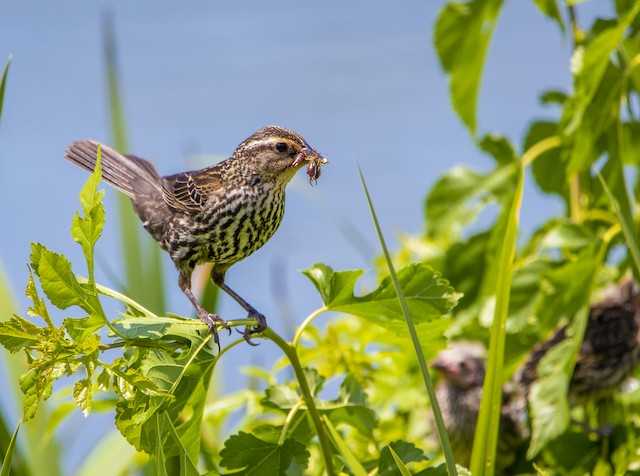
{"x": 291, "y": 354}
{"x": 304, "y": 325}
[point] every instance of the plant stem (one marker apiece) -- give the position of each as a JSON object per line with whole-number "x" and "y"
{"x": 291, "y": 354}
{"x": 304, "y": 325}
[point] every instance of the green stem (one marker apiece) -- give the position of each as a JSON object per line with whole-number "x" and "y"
{"x": 291, "y": 354}
{"x": 287, "y": 422}
{"x": 304, "y": 325}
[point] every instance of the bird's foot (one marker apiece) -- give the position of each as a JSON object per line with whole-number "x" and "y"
{"x": 248, "y": 331}
{"x": 212, "y": 321}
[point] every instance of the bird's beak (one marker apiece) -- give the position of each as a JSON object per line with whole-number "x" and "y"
{"x": 310, "y": 155}
{"x": 439, "y": 365}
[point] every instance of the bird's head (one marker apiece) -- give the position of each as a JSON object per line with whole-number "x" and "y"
{"x": 460, "y": 367}
{"x": 276, "y": 153}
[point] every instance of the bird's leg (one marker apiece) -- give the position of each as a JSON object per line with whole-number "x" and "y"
{"x": 217, "y": 277}
{"x": 211, "y": 320}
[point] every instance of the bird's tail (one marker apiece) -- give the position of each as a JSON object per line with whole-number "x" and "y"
{"x": 129, "y": 174}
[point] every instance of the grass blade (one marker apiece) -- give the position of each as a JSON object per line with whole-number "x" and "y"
{"x": 351, "y": 461}
{"x": 3, "y": 82}
{"x": 486, "y": 436}
{"x": 142, "y": 261}
{"x": 403, "y": 469}
{"x": 442, "y": 432}
{"x": 8, "y": 457}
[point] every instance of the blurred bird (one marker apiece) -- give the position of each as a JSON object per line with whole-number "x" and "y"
{"x": 459, "y": 394}
{"x": 220, "y": 214}
{"x": 609, "y": 352}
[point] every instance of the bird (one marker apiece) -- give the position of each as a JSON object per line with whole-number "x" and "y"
{"x": 459, "y": 392}
{"x": 220, "y": 214}
{"x": 610, "y": 349}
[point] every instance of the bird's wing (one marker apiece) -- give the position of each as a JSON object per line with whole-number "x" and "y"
{"x": 189, "y": 192}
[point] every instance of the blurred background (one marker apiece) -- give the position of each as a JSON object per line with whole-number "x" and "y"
{"x": 360, "y": 81}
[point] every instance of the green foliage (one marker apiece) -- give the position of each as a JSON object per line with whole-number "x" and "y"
{"x": 158, "y": 369}
{"x": 356, "y": 403}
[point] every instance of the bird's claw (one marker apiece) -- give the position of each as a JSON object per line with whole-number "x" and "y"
{"x": 212, "y": 321}
{"x": 248, "y": 331}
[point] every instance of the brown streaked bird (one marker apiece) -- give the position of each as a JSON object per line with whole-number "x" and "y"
{"x": 610, "y": 350}
{"x": 459, "y": 394}
{"x": 220, "y": 214}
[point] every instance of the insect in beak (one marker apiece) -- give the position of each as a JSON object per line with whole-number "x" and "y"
{"x": 316, "y": 161}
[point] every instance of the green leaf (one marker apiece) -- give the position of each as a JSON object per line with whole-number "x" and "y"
{"x": 462, "y": 35}
{"x": 18, "y": 333}
{"x": 254, "y": 456}
{"x": 428, "y": 294}
{"x": 549, "y": 168}
{"x": 87, "y": 230}
{"x": 141, "y": 255}
{"x": 551, "y": 10}
{"x": 3, "y": 82}
{"x": 486, "y": 435}
{"x": 403, "y": 451}
{"x": 57, "y": 279}
{"x": 548, "y": 398}
{"x": 456, "y": 198}
{"x": 83, "y": 394}
{"x": 8, "y": 456}
{"x": 415, "y": 337}
{"x": 598, "y": 86}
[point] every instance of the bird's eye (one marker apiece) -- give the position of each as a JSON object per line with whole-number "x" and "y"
{"x": 281, "y": 147}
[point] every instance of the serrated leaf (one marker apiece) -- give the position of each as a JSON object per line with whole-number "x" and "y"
{"x": 462, "y": 35}
{"x": 56, "y": 277}
{"x": 83, "y": 394}
{"x": 254, "y": 456}
{"x": 428, "y": 294}
{"x": 406, "y": 453}
{"x": 18, "y": 333}
{"x": 86, "y": 230}
{"x": 135, "y": 327}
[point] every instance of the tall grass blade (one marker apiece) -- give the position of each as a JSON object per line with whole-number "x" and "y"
{"x": 486, "y": 436}
{"x": 3, "y": 82}
{"x": 442, "y": 432}
{"x": 142, "y": 261}
{"x": 8, "y": 456}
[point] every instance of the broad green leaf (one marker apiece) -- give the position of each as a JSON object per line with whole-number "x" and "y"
{"x": 18, "y": 333}
{"x": 154, "y": 328}
{"x": 405, "y": 452}
{"x": 254, "y": 456}
{"x": 598, "y": 86}
{"x": 498, "y": 147}
{"x": 428, "y": 294}
{"x": 456, "y": 198}
{"x": 549, "y": 168}
{"x": 57, "y": 279}
{"x": 462, "y": 35}
{"x": 564, "y": 234}
{"x": 548, "y": 403}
